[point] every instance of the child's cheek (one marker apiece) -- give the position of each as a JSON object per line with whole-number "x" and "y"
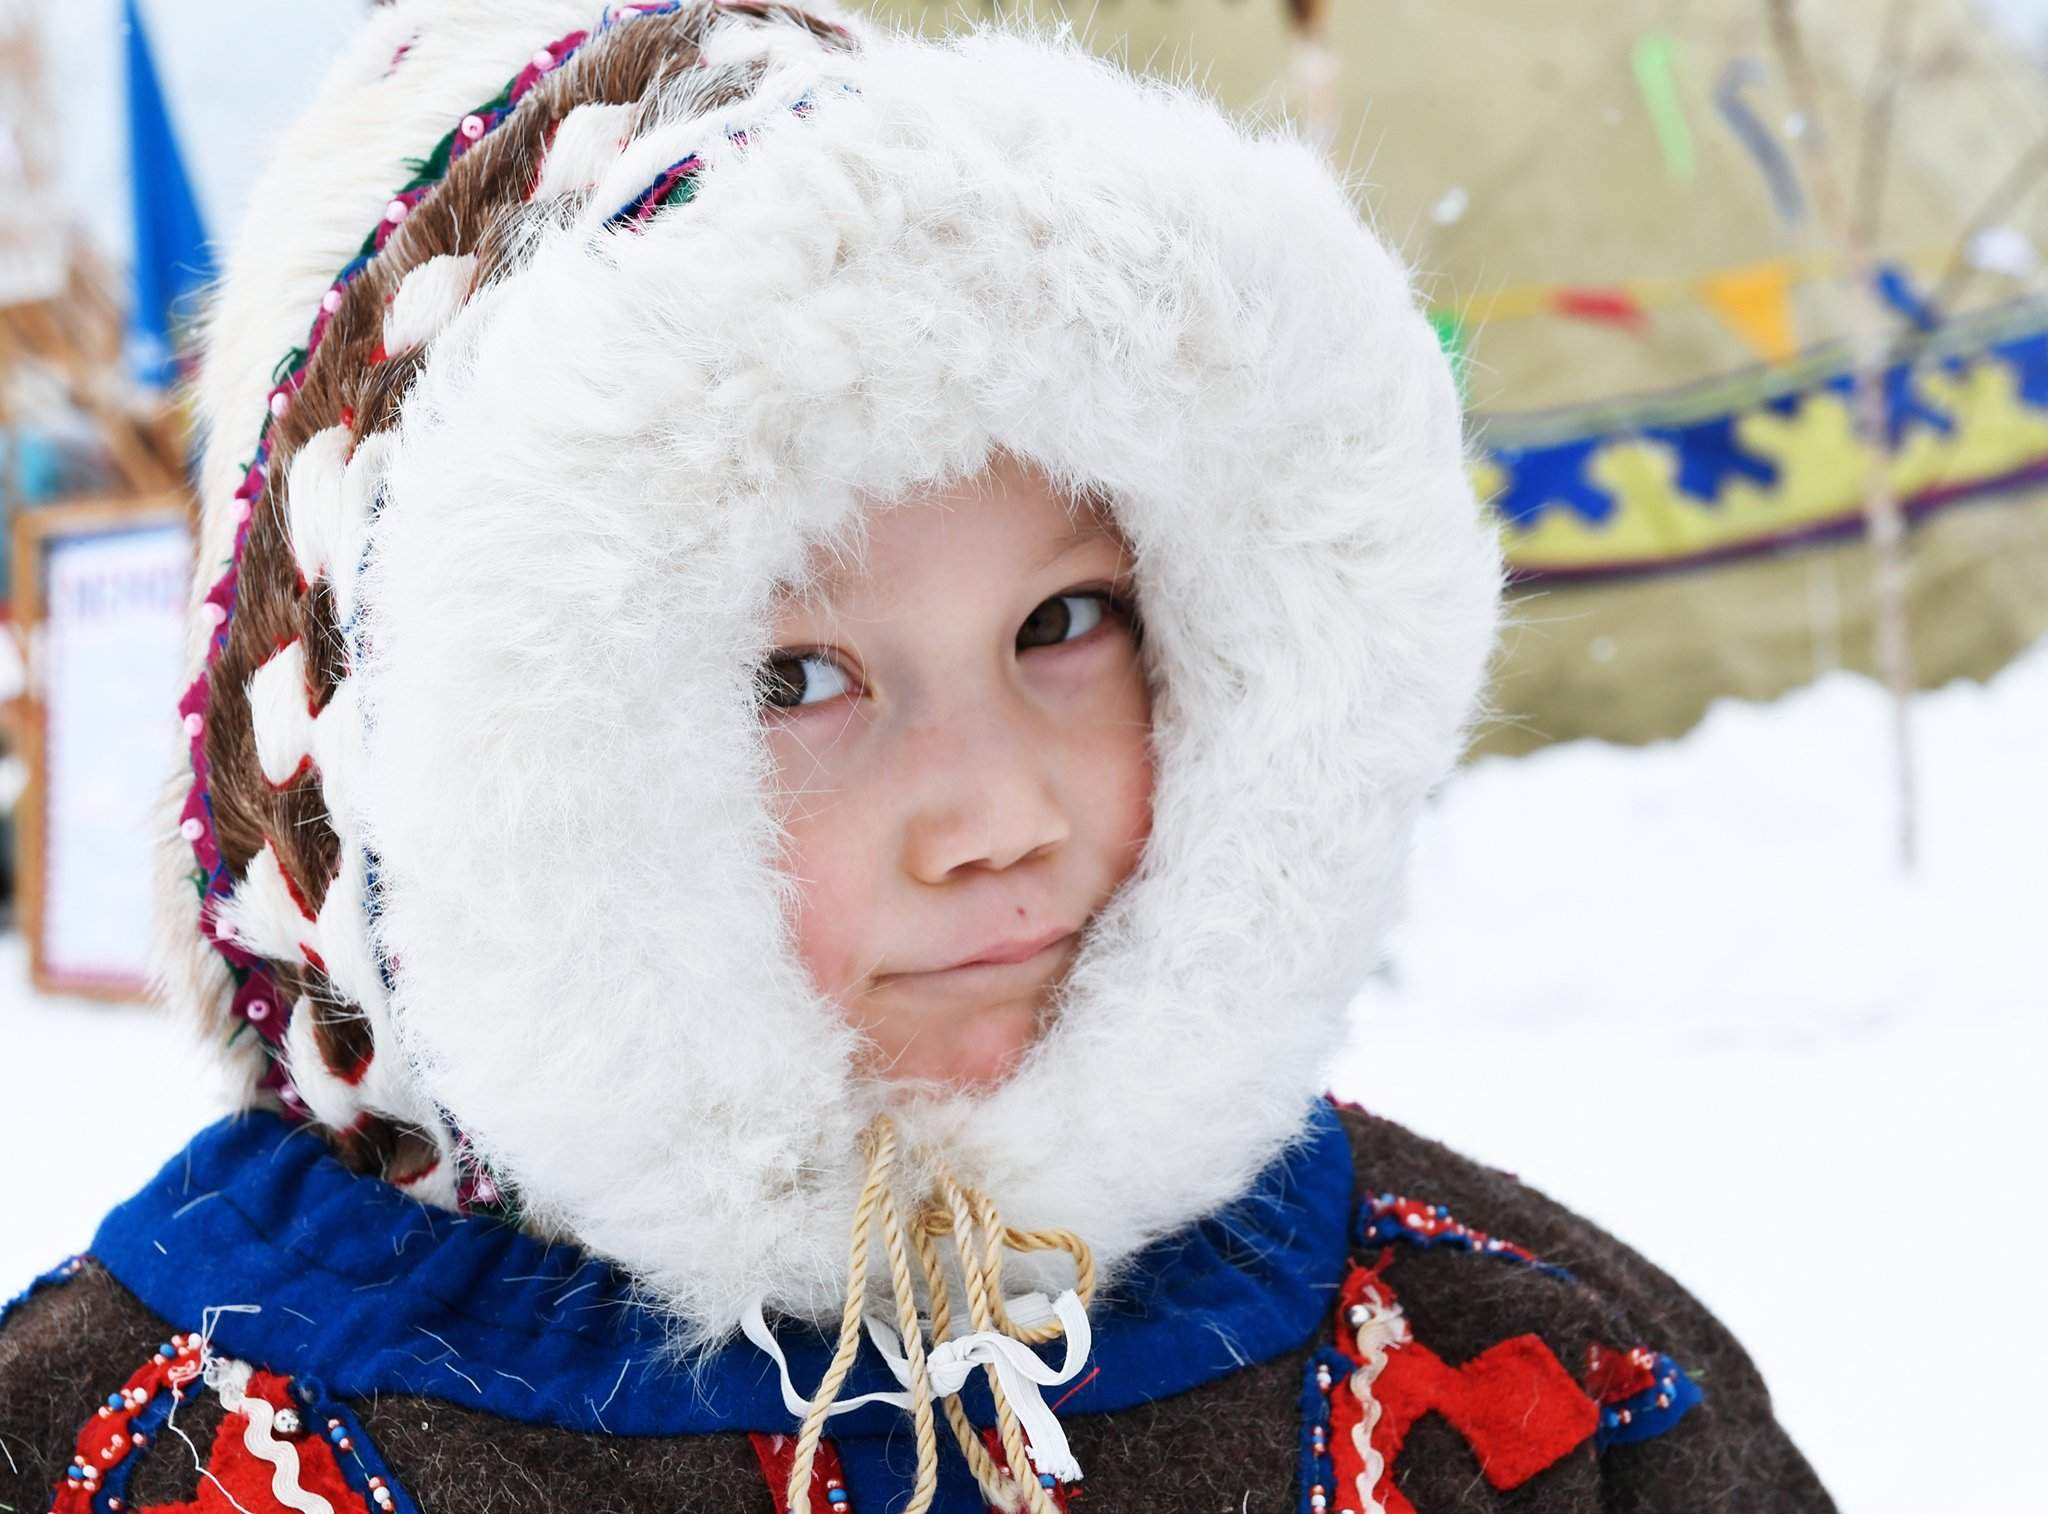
{"x": 824, "y": 918}
{"x": 829, "y": 853}
{"x": 1118, "y": 773}
{"x": 831, "y": 921}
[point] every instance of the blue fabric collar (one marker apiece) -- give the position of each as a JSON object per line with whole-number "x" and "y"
{"x": 371, "y": 1292}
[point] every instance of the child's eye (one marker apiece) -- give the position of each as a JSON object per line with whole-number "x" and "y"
{"x": 1065, "y": 617}
{"x": 792, "y": 680}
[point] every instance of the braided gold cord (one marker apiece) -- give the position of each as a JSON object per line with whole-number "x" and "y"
{"x": 979, "y": 1239}
{"x": 926, "y": 1487}
{"x": 880, "y": 1141}
{"x": 938, "y": 1222}
{"x": 994, "y": 1485}
{"x": 984, "y": 1300}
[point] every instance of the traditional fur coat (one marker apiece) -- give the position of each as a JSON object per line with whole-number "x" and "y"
{"x": 1377, "y": 1324}
{"x": 557, "y": 339}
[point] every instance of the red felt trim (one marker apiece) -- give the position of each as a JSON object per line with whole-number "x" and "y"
{"x": 1062, "y": 1493}
{"x": 1514, "y": 1403}
{"x": 305, "y": 766}
{"x": 1612, "y": 1376}
{"x": 411, "y": 1178}
{"x": 777, "y": 1456}
{"x": 1330, "y": 1098}
{"x": 109, "y": 1438}
{"x": 291, "y": 887}
{"x": 351, "y": 1075}
{"x": 237, "y": 1471}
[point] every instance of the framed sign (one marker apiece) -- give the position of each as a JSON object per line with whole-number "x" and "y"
{"x": 99, "y": 605}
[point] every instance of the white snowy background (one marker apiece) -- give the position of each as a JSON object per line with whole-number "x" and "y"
{"x": 1685, "y": 989}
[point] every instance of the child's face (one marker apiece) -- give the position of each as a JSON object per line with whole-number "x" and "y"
{"x": 961, "y": 733}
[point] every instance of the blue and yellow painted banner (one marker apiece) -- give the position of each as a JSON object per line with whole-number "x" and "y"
{"x": 1768, "y": 457}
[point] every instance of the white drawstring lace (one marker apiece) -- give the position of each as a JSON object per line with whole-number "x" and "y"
{"x": 1000, "y": 1344}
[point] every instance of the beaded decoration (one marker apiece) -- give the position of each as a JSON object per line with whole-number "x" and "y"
{"x": 1514, "y": 1403}
{"x": 1641, "y": 1393}
{"x": 777, "y": 1454}
{"x": 1388, "y": 1218}
{"x": 1062, "y": 1493}
{"x": 258, "y": 1004}
{"x": 1325, "y": 1370}
{"x": 272, "y": 929}
{"x": 269, "y": 1452}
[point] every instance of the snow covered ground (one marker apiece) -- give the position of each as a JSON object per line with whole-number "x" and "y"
{"x": 1684, "y": 989}
{"x": 1687, "y": 991}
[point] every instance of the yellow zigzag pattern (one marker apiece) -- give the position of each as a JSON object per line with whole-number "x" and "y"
{"x": 1822, "y": 469}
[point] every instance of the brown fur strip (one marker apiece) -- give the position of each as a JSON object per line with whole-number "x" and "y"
{"x": 477, "y": 209}
{"x": 340, "y": 1029}
{"x": 396, "y": 1152}
{"x": 379, "y": 389}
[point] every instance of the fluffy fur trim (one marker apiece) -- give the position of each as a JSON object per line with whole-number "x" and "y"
{"x": 590, "y": 138}
{"x": 627, "y": 439}
{"x": 429, "y": 298}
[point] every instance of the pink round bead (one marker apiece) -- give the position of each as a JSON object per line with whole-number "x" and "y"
{"x": 472, "y": 127}
{"x": 544, "y": 60}
{"x": 192, "y": 830}
{"x": 258, "y": 1010}
{"x": 331, "y": 301}
{"x": 279, "y": 403}
{"x": 194, "y": 723}
{"x": 214, "y": 614}
{"x": 397, "y": 211}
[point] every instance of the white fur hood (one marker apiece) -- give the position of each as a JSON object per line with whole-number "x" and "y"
{"x": 524, "y": 599}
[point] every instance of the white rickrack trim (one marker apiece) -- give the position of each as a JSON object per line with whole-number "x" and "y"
{"x": 230, "y": 1379}
{"x": 1381, "y": 1329}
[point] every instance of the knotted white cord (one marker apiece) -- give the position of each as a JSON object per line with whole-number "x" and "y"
{"x": 1033, "y": 1442}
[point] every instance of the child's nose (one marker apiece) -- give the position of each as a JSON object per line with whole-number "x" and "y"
{"x": 983, "y": 796}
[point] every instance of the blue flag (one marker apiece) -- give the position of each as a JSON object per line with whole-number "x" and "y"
{"x": 172, "y": 260}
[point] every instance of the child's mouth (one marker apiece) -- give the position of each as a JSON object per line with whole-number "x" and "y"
{"x": 1001, "y": 966}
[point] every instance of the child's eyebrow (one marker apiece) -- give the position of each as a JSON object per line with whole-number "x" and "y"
{"x": 1082, "y": 535}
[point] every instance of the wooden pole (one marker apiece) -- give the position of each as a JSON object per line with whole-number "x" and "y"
{"x": 1884, "y": 520}
{"x": 1315, "y": 66}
